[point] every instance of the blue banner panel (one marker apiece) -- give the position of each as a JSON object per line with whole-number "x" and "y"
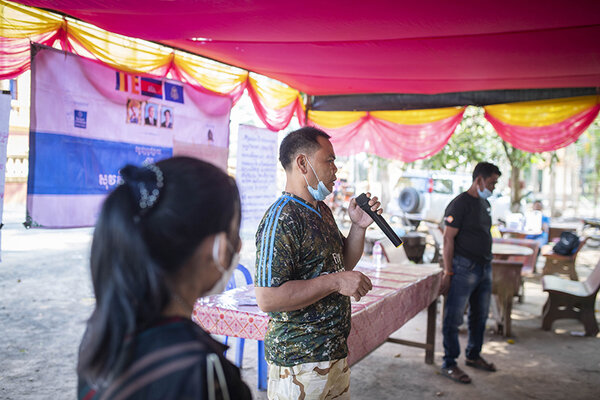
{"x": 64, "y": 164}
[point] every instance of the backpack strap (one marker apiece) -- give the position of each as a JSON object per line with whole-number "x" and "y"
{"x": 214, "y": 364}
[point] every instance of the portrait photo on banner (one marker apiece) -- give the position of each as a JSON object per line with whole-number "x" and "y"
{"x": 210, "y": 137}
{"x": 150, "y": 113}
{"x": 166, "y": 117}
{"x": 134, "y": 111}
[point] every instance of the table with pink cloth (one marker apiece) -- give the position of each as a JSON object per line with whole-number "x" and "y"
{"x": 400, "y": 291}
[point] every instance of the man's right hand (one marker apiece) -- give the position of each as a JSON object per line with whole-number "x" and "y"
{"x": 445, "y": 284}
{"x": 297, "y": 294}
{"x": 353, "y": 283}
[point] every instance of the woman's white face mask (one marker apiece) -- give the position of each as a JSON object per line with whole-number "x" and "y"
{"x": 226, "y": 273}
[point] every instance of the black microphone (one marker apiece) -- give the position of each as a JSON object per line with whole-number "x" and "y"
{"x": 363, "y": 202}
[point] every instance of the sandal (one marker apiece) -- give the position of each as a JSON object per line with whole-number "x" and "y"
{"x": 480, "y": 363}
{"x": 456, "y": 374}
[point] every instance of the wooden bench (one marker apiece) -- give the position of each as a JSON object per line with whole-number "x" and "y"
{"x": 554, "y": 231}
{"x": 569, "y": 299}
{"x": 560, "y": 264}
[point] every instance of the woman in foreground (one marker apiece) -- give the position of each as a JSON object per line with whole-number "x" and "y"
{"x": 168, "y": 235}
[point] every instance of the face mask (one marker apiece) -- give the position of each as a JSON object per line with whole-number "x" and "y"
{"x": 321, "y": 192}
{"x": 226, "y": 273}
{"x": 484, "y": 194}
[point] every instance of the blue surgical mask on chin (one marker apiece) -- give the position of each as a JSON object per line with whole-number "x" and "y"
{"x": 321, "y": 192}
{"x": 484, "y": 194}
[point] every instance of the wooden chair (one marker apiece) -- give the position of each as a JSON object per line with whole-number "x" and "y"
{"x": 560, "y": 264}
{"x": 527, "y": 261}
{"x": 568, "y": 299}
{"x": 554, "y": 232}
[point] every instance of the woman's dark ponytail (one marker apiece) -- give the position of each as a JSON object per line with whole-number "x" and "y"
{"x": 148, "y": 227}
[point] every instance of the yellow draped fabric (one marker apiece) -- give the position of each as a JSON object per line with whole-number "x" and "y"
{"x": 274, "y": 94}
{"x": 542, "y": 112}
{"x": 417, "y": 117}
{"x": 19, "y": 22}
{"x": 210, "y": 74}
{"x": 337, "y": 119}
{"x": 120, "y": 52}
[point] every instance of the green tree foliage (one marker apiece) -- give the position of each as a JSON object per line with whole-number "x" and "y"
{"x": 588, "y": 149}
{"x": 476, "y": 140}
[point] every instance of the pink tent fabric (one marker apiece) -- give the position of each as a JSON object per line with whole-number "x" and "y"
{"x": 15, "y": 54}
{"x": 407, "y": 143}
{"x": 337, "y": 47}
{"x": 545, "y": 138}
{"x": 276, "y": 120}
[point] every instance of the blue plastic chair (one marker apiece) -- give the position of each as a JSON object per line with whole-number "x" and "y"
{"x": 239, "y": 355}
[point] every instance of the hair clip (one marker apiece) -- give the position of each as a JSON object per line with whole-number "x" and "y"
{"x": 148, "y": 199}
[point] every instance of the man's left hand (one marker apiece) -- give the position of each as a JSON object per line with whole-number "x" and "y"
{"x": 361, "y": 218}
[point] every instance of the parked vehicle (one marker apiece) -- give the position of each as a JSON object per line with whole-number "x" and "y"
{"x": 424, "y": 195}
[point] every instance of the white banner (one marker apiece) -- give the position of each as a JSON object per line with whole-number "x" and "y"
{"x": 256, "y": 175}
{"x": 4, "y": 117}
{"x": 89, "y": 120}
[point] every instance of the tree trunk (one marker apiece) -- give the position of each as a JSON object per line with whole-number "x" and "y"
{"x": 575, "y": 182}
{"x": 552, "y": 190}
{"x": 596, "y": 183}
{"x": 565, "y": 167}
{"x": 515, "y": 192}
{"x": 535, "y": 181}
{"x": 384, "y": 178}
{"x": 596, "y": 190}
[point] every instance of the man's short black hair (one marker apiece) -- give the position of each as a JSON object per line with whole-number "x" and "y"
{"x": 485, "y": 170}
{"x": 303, "y": 140}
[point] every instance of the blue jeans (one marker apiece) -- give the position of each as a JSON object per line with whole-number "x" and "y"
{"x": 471, "y": 282}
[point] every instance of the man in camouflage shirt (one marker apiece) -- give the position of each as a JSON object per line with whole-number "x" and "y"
{"x": 304, "y": 275}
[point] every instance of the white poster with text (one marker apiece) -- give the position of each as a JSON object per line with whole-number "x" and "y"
{"x": 256, "y": 175}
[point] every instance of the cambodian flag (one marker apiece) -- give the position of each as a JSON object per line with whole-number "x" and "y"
{"x": 152, "y": 87}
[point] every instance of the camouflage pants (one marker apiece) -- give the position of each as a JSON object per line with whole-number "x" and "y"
{"x": 310, "y": 381}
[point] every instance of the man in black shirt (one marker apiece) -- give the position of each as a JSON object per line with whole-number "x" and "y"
{"x": 468, "y": 270}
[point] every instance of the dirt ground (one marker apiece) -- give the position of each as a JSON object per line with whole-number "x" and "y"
{"x": 46, "y": 296}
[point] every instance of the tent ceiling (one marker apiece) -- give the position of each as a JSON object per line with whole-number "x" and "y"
{"x": 340, "y": 47}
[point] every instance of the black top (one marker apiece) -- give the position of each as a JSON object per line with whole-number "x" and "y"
{"x": 472, "y": 217}
{"x": 171, "y": 361}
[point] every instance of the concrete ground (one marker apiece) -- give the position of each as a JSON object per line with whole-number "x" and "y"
{"x": 46, "y": 296}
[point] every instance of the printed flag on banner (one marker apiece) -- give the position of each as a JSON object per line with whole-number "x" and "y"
{"x": 152, "y": 87}
{"x": 122, "y": 81}
{"x": 135, "y": 84}
{"x": 87, "y": 123}
{"x": 173, "y": 92}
